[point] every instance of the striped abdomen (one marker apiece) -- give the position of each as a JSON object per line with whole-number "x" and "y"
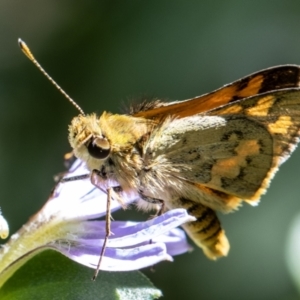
{"x": 206, "y": 231}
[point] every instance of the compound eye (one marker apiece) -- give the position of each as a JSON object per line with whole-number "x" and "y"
{"x": 99, "y": 148}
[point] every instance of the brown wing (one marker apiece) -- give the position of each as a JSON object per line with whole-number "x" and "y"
{"x": 232, "y": 152}
{"x": 275, "y": 78}
{"x": 279, "y": 113}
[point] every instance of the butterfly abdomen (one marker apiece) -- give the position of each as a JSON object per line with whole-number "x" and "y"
{"x": 206, "y": 231}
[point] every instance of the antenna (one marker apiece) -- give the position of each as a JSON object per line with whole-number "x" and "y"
{"x": 28, "y": 53}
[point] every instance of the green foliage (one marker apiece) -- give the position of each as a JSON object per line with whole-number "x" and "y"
{"x": 50, "y": 275}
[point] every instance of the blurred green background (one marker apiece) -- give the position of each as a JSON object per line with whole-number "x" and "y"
{"x": 104, "y": 53}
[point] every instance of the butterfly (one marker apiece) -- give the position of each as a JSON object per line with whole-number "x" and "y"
{"x": 207, "y": 154}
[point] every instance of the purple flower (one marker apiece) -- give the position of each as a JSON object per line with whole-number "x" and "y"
{"x": 67, "y": 224}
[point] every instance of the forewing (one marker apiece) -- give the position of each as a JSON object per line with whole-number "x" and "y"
{"x": 271, "y": 79}
{"x": 233, "y": 152}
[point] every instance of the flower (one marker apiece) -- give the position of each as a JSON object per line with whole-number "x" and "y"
{"x": 66, "y": 223}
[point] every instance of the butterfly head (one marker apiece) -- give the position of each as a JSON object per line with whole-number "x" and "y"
{"x": 87, "y": 139}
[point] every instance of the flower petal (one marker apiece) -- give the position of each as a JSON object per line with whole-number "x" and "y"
{"x": 126, "y": 234}
{"x": 145, "y": 242}
{"x": 115, "y": 259}
{"x": 176, "y": 242}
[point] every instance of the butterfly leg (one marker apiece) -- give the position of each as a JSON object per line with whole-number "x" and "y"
{"x": 158, "y": 213}
{"x": 206, "y": 231}
{"x": 154, "y": 201}
{"x": 74, "y": 178}
{"x": 61, "y": 179}
{"x": 107, "y": 232}
{"x": 112, "y": 192}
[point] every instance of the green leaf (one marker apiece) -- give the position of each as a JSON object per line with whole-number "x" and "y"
{"x": 49, "y": 275}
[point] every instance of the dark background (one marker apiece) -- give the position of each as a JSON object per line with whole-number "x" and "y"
{"x": 104, "y": 53}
